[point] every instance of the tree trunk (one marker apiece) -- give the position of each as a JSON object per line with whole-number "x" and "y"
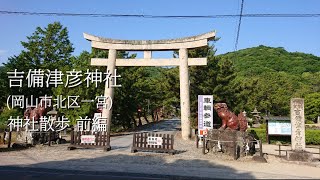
{"x": 152, "y": 115}
{"x": 145, "y": 117}
{"x": 134, "y": 122}
{"x": 139, "y": 116}
{"x": 157, "y": 117}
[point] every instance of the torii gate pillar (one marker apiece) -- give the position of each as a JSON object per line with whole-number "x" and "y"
{"x": 181, "y": 44}
{"x": 184, "y": 94}
{"x": 109, "y": 92}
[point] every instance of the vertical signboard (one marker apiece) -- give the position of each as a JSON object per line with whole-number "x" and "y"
{"x": 205, "y": 114}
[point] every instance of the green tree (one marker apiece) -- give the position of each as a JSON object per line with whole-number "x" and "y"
{"x": 269, "y": 77}
{"x": 5, "y": 115}
{"x": 4, "y": 87}
{"x": 312, "y": 104}
{"x": 312, "y": 80}
{"x": 80, "y": 63}
{"x": 269, "y": 92}
{"x": 213, "y": 79}
{"x": 255, "y": 60}
{"x": 170, "y": 89}
{"x": 47, "y": 48}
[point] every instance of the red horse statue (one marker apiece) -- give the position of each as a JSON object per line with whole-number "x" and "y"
{"x": 229, "y": 119}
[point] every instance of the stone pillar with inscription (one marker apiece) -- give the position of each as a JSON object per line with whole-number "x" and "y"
{"x": 298, "y": 141}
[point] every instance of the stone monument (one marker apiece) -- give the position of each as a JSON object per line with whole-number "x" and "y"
{"x": 298, "y": 142}
{"x": 26, "y": 137}
{"x": 231, "y": 138}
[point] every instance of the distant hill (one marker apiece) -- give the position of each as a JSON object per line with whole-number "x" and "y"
{"x": 256, "y": 60}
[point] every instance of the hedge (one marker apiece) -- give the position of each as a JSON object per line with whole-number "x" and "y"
{"x": 312, "y": 136}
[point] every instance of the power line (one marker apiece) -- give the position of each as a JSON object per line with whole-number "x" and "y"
{"x": 294, "y": 15}
{"x": 282, "y": 15}
{"x": 239, "y": 25}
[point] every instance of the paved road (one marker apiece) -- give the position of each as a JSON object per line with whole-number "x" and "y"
{"x": 148, "y": 171}
{"x": 124, "y": 142}
{"x": 22, "y": 173}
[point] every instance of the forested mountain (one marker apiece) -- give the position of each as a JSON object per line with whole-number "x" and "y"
{"x": 256, "y": 60}
{"x": 268, "y": 78}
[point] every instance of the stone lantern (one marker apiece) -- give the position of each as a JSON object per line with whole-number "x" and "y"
{"x": 256, "y": 116}
{"x": 244, "y": 113}
{"x": 53, "y": 114}
{"x": 53, "y": 117}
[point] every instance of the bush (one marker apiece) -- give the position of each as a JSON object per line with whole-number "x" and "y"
{"x": 312, "y": 136}
{"x": 312, "y": 127}
{"x": 309, "y": 122}
{"x": 5, "y": 115}
{"x": 258, "y": 133}
{"x": 263, "y": 126}
{"x": 194, "y": 123}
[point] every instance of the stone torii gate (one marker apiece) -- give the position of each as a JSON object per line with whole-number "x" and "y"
{"x": 181, "y": 44}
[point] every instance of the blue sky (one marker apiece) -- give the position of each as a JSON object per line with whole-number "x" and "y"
{"x": 294, "y": 34}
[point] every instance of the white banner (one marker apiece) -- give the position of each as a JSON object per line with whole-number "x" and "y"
{"x": 205, "y": 114}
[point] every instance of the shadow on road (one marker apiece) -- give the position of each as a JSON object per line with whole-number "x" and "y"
{"x": 135, "y": 166}
{"x": 6, "y": 149}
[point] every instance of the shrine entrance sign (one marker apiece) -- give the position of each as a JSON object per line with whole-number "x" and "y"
{"x": 147, "y": 46}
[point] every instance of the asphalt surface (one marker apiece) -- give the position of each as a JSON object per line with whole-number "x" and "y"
{"x": 17, "y": 173}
